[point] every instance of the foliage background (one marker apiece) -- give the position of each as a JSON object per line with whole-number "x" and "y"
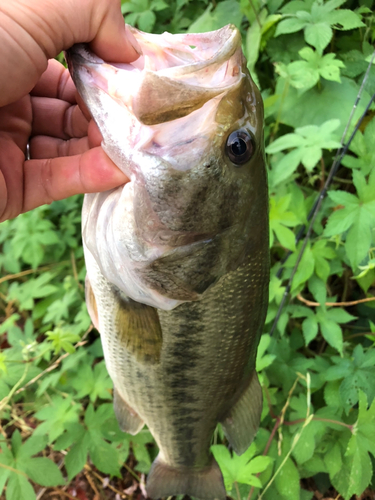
{"x": 317, "y": 433}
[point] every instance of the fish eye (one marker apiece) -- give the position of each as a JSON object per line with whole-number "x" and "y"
{"x": 240, "y": 146}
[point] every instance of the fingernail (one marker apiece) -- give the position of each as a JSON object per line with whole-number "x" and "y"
{"x": 132, "y": 40}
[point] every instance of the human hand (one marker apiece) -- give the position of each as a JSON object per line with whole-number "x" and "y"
{"x": 32, "y": 33}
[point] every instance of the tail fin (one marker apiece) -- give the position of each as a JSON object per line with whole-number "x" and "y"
{"x": 206, "y": 483}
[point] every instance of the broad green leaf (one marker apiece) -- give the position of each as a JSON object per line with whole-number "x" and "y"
{"x": 356, "y": 471}
{"x": 344, "y": 19}
{"x": 76, "y": 458}
{"x": 241, "y": 469}
{"x": 285, "y": 142}
{"x": 332, "y": 333}
{"x": 288, "y": 481}
{"x": 105, "y": 457}
{"x": 19, "y": 487}
{"x": 16, "y": 443}
{"x": 333, "y": 460}
{"x": 290, "y": 25}
{"x": 253, "y": 38}
{"x": 286, "y": 167}
{"x": 318, "y": 35}
{"x": 146, "y": 20}
{"x": 332, "y": 100}
{"x": 32, "y": 446}
{"x": 358, "y": 240}
{"x": 305, "y": 268}
{"x": 42, "y": 471}
{"x": 310, "y": 329}
{"x": 340, "y": 221}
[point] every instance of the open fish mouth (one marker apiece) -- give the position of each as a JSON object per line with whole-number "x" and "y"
{"x": 181, "y": 221}
{"x": 171, "y": 78}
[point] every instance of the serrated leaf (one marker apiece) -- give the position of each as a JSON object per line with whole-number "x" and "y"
{"x": 239, "y": 469}
{"x": 290, "y": 25}
{"x": 333, "y": 460}
{"x": 19, "y": 487}
{"x": 146, "y": 20}
{"x": 32, "y": 446}
{"x": 344, "y": 19}
{"x": 358, "y": 240}
{"x": 105, "y": 457}
{"x": 288, "y": 481}
{"x": 285, "y": 236}
{"x": 76, "y": 458}
{"x": 318, "y": 35}
{"x": 42, "y": 471}
{"x": 332, "y": 333}
{"x": 310, "y": 329}
{"x": 340, "y": 315}
{"x": 286, "y": 166}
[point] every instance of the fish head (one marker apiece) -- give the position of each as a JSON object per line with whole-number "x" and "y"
{"x": 184, "y": 122}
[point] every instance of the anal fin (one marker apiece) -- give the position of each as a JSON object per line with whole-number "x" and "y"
{"x": 242, "y": 423}
{"x": 206, "y": 484}
{"x": 128, "y": 420}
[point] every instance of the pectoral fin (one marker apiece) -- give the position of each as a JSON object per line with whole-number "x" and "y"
{"x": 242, "y": 423}
{"x": 139, "y": 330}
{"x": 91, "y": 303}
{"x": 128, "y": 420}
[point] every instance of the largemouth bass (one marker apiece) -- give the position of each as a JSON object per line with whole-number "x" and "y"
{"x": 177, "y": 259}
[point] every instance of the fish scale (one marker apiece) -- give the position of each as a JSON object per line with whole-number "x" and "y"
{"x": 202, "y": 342}
{"x": 177, "y": 259}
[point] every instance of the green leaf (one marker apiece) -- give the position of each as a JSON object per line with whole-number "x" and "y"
{"x": 19, "y": 488}
{"x": 16, "y": 443}
{"x": 333, "y": 460}
{"x": 310, "y": 329}
{"x": 332, "y": 333}
{"x": 344, "y": 19}
{"x": 93, "y": 382}
{"x": 286, "y": 166}
{"x": 76, "y": 458}
{"x": 105, "y": 457}
{"x": 355, "y": 474}
{"x": 32, "y": 446}
{"x": 146, "y": 20}
{"x": 287, "y": 480}
{"x": 57, "y": 415}
{"x": 62, "y": 339}
{"x": 42, "y": 471}
{"x": 305, "y": 268}
{"x": 290, "y": 25}
{"x": 318, "y": 35}
{"x": 240, "y": 469}
{"x": 332, "y": 100}
{"x": 358, "y": 240}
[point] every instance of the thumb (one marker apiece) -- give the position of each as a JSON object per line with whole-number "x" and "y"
{"x": 33, "y": 32}
{"x": 112, "y": 41}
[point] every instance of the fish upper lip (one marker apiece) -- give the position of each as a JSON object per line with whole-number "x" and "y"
{"x": 82, "y": 53}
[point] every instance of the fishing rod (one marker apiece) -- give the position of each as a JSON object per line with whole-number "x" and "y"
{"x": 340, "y": 153}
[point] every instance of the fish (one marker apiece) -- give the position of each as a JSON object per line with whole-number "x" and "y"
{"x": 177, "y": 258}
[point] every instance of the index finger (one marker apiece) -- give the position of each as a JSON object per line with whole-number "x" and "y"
{"x": 56, "y": 83}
